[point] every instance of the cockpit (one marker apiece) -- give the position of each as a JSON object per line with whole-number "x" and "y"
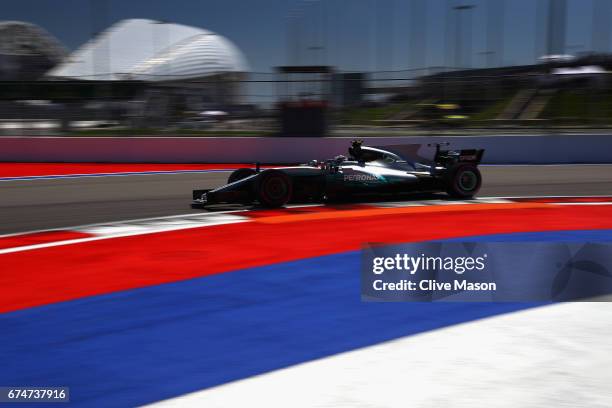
{"x": 373, "y": 156}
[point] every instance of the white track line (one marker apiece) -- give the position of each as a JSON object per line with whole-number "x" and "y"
{"x": 107, "y": 231}
{"x": 131, "y": 220}
{"x": 141, "y": 226}
{"x": 553, "y": 196}
{"x": 381, "y": 204}
{"x": 484, "y": 200}
{"x": 593, "y": 203}
{"x": 138, "y": 226}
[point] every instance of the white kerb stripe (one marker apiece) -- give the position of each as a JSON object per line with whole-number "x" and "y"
{"x": 125, "y": 230}
{"x": 551, "y": 356}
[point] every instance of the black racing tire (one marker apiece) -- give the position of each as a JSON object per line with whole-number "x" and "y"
{"x": 273, "y": 189}
{"x": 464, "y": 181}
{"x": 240, "y": 174}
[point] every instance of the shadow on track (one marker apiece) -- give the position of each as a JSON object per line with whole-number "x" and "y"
{"x": 407, "y": 197}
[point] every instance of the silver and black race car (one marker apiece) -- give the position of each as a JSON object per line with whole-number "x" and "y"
{"x": 368, "y": 171}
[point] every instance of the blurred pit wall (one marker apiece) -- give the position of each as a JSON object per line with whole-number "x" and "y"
{"x": 500, "y": 149}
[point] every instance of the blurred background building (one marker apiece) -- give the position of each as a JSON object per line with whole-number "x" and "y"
{"x": 153, "y": 51}
{"x": 27, "y": 51}
{"x": 183, "y": 68}
{"x": 390, "y": 66}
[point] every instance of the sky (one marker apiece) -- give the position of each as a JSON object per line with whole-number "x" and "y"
{"x": 353, "y": 35}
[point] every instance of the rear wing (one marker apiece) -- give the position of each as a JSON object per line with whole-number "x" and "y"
{"x": 471, "y": 155}
{"x": 457, "y": 156}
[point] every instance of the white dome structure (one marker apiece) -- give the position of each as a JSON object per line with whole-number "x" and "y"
{"x": 152, "y": 51}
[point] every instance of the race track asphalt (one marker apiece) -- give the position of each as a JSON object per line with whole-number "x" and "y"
{"x": 27, "y": 205}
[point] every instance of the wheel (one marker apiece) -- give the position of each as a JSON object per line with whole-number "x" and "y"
{"x": 464, "y": 181}
{"x": 274, "y": 189}
{"x": 240, "y": 174}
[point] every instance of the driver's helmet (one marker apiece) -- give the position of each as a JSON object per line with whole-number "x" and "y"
{"x": 339, "y": 159}
{"x": 355, "y": 149}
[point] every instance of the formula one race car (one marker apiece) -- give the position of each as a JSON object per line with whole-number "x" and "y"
{"x": 367, "y": 171}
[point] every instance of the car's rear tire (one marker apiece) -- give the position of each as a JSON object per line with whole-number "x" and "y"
{"x": 240, "y": 174}
{"x": 464, "y": 181}
{"x": 274, "y": 189}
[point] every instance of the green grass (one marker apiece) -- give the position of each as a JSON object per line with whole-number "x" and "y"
{"x": 491, "y": 111}
{"x": 579, "y": 106}
{"x": 369, "y": 116}
{"x": 372, "y": 116}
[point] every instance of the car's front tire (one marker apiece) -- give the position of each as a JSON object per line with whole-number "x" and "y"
{"x": 274, "y": 189}
{"x": 464, "y": 181}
